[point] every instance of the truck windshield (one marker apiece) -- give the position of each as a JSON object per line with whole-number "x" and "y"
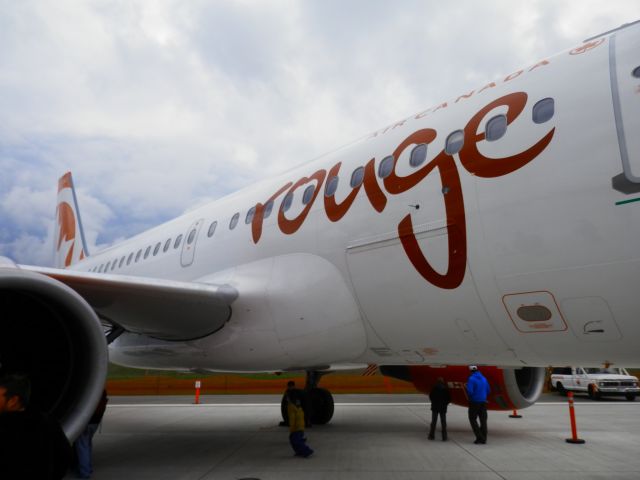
{"x": 613, "y": 370}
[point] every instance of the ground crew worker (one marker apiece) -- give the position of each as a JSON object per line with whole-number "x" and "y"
{"x": 306, "y": 404}
{"x": 440, "y": 398}
{"x": 83, "y": 445}
{"x": 478, "y": 391}
{"x": 296, "y": 424}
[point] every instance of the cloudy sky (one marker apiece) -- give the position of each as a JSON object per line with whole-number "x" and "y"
{"x": 160, "y": 105}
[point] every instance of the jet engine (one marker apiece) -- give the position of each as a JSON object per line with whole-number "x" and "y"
{"x": 511, "y": 388}
{"x": 49, "y": 332}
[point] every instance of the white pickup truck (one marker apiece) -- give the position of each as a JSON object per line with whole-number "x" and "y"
{"x": 596, "y": 382}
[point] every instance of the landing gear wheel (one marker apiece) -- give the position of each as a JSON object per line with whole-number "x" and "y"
{"x": 561, "y": 389}
{"x": 284, "y": 411}
{"x": 593, "y": 393}
{"x": 631, "y": 396}
{"x": 321, "y": 406}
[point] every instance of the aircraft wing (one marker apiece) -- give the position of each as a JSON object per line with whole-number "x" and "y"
{"x": 158, "y": 308}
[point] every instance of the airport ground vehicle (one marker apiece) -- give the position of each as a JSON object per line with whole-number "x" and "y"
{"x": 596, "y": 382}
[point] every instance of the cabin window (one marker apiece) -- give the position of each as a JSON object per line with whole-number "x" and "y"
{"x": 138, "y": 255}
{"x": 191, "y": 237}
{"x": 113, "y": 265}
{"x": 147, "y": 252}
{"x": 454, "y": 142}
{"x": 496, "y": 128}
{"x": 100, "y": 269}
{"x": 121, "y": 261}
{"x": 332, "y": 186}
{"x": 286, "y": 203}
{"x": 167, "y": 244}
{"x": 176, "y": 244}
{"x": 268, "y": 208}
{"x": 543, "y": 110}
{"x": 250, "y": 214}
{"x": 157, "y": 248}
{"x": 357, "y": 177}
{"x": 130, "y": 258}
{"x": 308, "y": 194}
{"x": 212, "y": 228}
{"x": 386, "y": 167}
{"x": 234, "y": 221}
{"x": 106, "y": 268}
{"x": 418, "y": 155}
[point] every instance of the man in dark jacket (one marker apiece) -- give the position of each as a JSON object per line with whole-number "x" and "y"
{"x": 440, "y": 398}
{"x": 478, "y": 390}
{"x": 32, "y": 445}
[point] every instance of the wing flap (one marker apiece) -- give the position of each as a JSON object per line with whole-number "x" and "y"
{"x": 164, "y": 309}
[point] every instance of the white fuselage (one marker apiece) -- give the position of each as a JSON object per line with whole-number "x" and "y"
{"x": 514, "y": 252}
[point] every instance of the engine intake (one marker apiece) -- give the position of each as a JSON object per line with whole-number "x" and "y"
{"x": 50, "y": 333}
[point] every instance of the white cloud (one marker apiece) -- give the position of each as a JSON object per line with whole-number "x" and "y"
{"x": 142, "y": 97}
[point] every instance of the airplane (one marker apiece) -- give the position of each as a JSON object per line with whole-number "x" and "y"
{"x": 499, "y": 227}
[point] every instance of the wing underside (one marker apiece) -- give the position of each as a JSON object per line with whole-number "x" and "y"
{"x": 164, "y": 309}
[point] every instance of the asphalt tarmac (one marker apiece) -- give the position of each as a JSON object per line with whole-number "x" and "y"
{"x": 376, "y": 437}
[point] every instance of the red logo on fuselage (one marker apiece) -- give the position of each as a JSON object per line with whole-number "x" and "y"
{"x": 586, "y": 47}
{"x": 471, "y": 159}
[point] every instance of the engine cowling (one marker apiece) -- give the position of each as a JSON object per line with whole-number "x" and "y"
{"x": 511, "y": 388}
{"x": 50, "y": 333}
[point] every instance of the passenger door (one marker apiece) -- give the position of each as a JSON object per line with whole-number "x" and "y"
{"x": 189, "y": 245}
{"x": 625, "y": 85}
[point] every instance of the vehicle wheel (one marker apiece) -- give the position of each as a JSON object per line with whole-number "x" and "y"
{"x": 631, "y": 396}
{"x": 560, "y": 388}
{"x": 593, "y": 393}
{"x": 321, "y": 406}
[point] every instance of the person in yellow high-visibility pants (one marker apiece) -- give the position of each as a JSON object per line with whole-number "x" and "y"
{"x": 296, "y": 424}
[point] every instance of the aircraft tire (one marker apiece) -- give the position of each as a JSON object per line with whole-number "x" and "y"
{"x": 322, "y": 406}
{"x": 284, "y": 411}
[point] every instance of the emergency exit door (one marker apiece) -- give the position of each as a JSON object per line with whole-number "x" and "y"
{"x": 190, "y": 242}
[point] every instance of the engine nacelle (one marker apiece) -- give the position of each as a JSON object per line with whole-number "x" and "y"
{"x": 50, "y": 333}
{"x": 511, "y": 388}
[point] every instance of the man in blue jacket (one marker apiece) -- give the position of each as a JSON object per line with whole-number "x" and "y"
{"x": 478, "y": 391}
